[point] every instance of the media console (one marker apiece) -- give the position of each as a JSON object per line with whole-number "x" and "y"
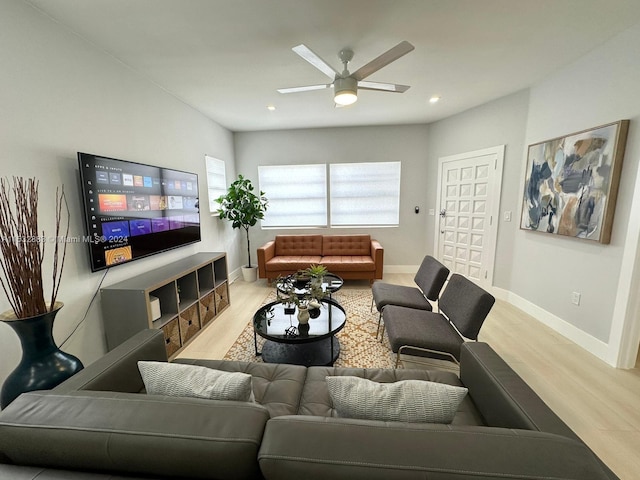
{"x": 179, "y": 298}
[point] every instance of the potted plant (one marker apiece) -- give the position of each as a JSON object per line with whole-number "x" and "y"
{"x": 317, "y": 271}
{"x": 243, "y": 208}
{"x": 22, "y": 245}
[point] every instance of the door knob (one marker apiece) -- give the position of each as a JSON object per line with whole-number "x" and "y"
{"x": 443, "y": 213}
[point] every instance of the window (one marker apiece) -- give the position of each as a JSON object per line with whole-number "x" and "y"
{"x": 365, "y": 194}
{"x": 359, "y": 194}
{"x": 297, "y": 195}
{"x": 216, "y": 181}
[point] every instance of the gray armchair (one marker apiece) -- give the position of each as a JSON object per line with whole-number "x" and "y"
{"x": 429, "y": 279}
{"x": 463, "y": 308}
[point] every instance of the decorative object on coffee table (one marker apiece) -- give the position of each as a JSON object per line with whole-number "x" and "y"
{"x": 43, "y": 364}
{"x": 243, "y": 208}
{"x": 317, "y": 271}
{"x": 303, "y": 314}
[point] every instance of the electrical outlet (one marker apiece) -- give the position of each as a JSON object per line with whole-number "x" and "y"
{"x": 575, "y": 298}
{"x": 432, "y": 212}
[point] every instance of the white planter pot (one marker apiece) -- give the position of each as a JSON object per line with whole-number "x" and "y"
{"x": 250, "y": 274}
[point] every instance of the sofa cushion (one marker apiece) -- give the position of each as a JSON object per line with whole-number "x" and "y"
{"x": 178, "y": 380}
{"x": 403, "y": 401}
{"x": 134, "y": 433}
{"x": 346, "y": 245}
{"x": 348, "y": 263}
{"x": 292, "y": 245}
{"x": 277, "y": 387}
{"x": 292, "y": 263}
{"x": 316, "y": 400}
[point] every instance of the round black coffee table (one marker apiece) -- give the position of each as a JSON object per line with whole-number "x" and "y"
{"x": 287, "y": 341}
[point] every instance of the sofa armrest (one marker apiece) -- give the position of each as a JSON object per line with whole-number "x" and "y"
{"x": 118, "y": 370}
{"x": 504, "y": 399}
{"x": 153, "y": 435}
{"x": 265, "y": 253}
{"x": 327, "y": 447}
{"x": 377, "y": 253}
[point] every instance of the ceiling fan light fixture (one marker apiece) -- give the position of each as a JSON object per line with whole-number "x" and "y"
{"x": 346, "y": 91}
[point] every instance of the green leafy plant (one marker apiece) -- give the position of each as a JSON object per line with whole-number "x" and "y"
{"x": 316, "y": 271}
{"x": 242, "y": 207}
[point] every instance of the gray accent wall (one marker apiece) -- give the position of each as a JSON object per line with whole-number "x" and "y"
{"x": 418, "y": 147}
{"x": 404, "y": 245}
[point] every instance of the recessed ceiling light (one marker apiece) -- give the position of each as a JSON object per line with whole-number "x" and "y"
{"x": 434, "y": 99}
{"x": 271, "y": 108}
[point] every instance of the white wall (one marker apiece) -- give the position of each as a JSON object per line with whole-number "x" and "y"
{"x": 404, "y": 245}
{"x": 601, "y": 87}
{"x": 59, "y": 95}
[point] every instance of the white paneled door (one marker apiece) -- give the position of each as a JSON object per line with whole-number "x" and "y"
{"x": 467, "y": 215}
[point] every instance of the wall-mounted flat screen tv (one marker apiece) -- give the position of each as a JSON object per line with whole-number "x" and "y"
{"x": 134, "y": 210}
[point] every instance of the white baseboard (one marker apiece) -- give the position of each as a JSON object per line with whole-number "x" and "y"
{"x": 597, "y": 347}
{"x": 235, "y": 274}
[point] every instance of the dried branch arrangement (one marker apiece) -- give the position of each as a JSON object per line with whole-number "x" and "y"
{"x": 22, "y": 247}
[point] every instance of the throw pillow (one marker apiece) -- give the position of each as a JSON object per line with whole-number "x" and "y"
{"x": 403, "y": 401}
{"x": 179, "y": 380}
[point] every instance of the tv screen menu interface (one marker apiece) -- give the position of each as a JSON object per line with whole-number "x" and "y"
{"x": 134, "y": 210}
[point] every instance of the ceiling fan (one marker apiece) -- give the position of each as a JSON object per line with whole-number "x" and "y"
{"x": 345, "y": 84}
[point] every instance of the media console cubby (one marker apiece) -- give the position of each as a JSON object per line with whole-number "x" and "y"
{"x": 190, "y": 293}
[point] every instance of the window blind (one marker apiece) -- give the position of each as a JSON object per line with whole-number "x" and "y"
{"x": 297, "y": 195}
{"x": 216, "y": 181}
{"x": 365, "y": 194}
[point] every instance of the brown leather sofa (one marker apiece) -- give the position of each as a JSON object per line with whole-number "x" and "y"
{"x": 352, "y": 257}
{"x": 100, "y": 425}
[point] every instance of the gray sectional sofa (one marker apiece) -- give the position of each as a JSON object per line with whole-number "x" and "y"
{"x": 100, "y": 424}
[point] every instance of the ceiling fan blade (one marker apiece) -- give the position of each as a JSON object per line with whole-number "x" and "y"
{"x": 383, "y": 60}
{"x": 306, "y": 88}
{"x": 311, "y": 57}
{"x": 386, "y": 87}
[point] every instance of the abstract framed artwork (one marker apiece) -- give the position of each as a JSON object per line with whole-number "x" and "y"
{"x": 571, "y": 183}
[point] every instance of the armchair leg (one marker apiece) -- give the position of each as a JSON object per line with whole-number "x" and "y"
{"x": 382, "y": 334}
{"x": 379, "y": 322}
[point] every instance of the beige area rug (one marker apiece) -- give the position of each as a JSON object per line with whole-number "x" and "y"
{"x": 359, "y": 347}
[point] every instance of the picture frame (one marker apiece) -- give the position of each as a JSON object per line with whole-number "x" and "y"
{"x": 571, "y": 183}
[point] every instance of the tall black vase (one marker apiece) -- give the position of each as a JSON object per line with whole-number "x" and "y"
{"x": 43, "y": 364}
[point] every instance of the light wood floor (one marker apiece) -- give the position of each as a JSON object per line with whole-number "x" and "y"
{"x": 600, "y": 403}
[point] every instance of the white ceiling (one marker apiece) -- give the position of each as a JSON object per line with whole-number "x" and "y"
{"x": 226, "y": 58}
